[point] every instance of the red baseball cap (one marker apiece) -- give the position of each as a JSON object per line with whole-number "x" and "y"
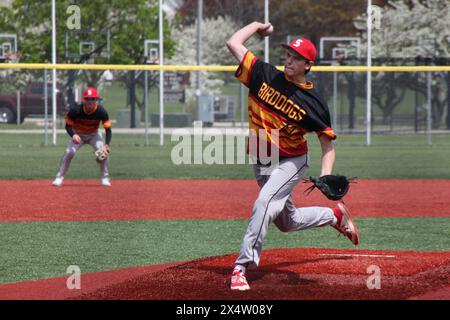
{"x": 303, "y": 47}
{"x": 90, "y": 93}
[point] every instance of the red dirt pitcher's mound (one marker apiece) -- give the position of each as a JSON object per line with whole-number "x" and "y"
{"x": 296, "y": 274}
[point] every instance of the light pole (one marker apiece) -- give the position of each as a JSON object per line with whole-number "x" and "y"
{"x": 266, "y": 39}
{"x": 369, "y": 74}
{"x": 54, "y": 70}
{"x": 198, "y": 90}
{"x": 161, "y": 76}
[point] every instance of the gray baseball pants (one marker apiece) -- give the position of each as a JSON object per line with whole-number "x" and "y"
{"x": 96, "y": 141}
{"x": 274, "y": 204}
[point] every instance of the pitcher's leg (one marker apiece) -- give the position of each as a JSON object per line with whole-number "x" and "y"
{"x": 260, "y": 175}
{"x": 251, "y": 246}
{"x": 305, "y": 218}
{"x": 270, "y": 202}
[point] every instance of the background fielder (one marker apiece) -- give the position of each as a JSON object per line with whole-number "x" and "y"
{"x": 82, "y": 123}
{"x": 286, "y": 103}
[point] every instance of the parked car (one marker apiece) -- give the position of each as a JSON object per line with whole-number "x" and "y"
{"x": 32, "y": 102}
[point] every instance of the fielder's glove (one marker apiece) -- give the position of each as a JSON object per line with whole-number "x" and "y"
{"x": 101, "y": 154}
{"x": 332, "y": 186}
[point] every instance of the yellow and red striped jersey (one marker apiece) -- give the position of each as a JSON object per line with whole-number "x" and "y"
{"x": 85, "y": 123}
{"x": 276, "y": 103}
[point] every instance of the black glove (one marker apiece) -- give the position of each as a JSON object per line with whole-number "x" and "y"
{"x": 333, "y": 187}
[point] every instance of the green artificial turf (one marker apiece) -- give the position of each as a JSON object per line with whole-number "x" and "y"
{"x": 45, "y": 249}
{"x": 389, "y": 157}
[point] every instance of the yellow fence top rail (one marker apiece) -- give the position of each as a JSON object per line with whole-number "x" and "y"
{"x": 214, "y": 68}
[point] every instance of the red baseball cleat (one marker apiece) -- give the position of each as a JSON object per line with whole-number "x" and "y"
{"x": 345, "y": 224}
{"x": 238, "y": 281}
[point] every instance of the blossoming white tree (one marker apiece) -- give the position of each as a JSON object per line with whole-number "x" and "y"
{"x": 215, "y": 33}
{"x": 415, "y": 30}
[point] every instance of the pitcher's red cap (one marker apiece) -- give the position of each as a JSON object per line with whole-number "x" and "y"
{"x": 303, "y": 47}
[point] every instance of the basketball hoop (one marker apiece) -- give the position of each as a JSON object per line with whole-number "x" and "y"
{"x": 12, "y": 56}
{"x": 151, "y": 51}
{"x": 154, "y": 60}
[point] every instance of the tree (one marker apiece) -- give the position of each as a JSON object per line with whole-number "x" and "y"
{"x": 241, "y": 11}
{"x": 130, "y": 22}
{"x": 315, "y": 18}
{"x": 215, "y": 52}
{"x": 416, "y": 31}
{"x": 309, "y": 18}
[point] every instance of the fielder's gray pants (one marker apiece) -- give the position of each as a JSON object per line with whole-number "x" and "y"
{"x": 274, "y": 204}
{"x": 96, "y": 141}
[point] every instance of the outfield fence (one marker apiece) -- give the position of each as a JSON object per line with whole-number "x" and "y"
{"x": 405, "y": 99}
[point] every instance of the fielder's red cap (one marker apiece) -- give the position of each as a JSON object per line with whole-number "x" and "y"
{"x": 303, "y": 47}
{"x": 90, "y": 93}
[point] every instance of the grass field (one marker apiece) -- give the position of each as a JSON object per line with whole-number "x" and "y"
{"x": 389, "y": 157}
{"x": 45, "y": 249}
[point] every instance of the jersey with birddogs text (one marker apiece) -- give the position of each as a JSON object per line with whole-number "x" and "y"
{"x": 294, "y": 109}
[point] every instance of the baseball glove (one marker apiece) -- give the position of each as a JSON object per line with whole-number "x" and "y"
{"x": 102, "y": 153}
{"x": 332, "y": 186}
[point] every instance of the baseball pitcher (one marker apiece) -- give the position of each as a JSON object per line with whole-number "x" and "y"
{"x": 285, "y": 103}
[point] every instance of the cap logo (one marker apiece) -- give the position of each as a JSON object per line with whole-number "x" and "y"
{"x": 298, "y": 43}
{"x": 89, "y": 92}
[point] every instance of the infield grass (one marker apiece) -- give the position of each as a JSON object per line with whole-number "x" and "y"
{"x": 389, "y": 157}
{"x": 37, "y": 250}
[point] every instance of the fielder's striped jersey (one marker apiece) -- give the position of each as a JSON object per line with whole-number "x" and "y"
{"x": 276, "y": 103}
{"x": 85, "y": 123}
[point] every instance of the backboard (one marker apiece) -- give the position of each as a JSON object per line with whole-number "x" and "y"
{"x": 339, "y": 53}
{"x": 151, "y": 51}
{"x": 8, "y": 46}
{"x": 335, "y": 49}
{"x": 87, "y": 44}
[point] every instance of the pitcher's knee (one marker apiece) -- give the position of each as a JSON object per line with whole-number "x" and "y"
{"x": 261, "y": 205}
{"x": 265, "y": 209}
{"x": 281, "y": 225}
